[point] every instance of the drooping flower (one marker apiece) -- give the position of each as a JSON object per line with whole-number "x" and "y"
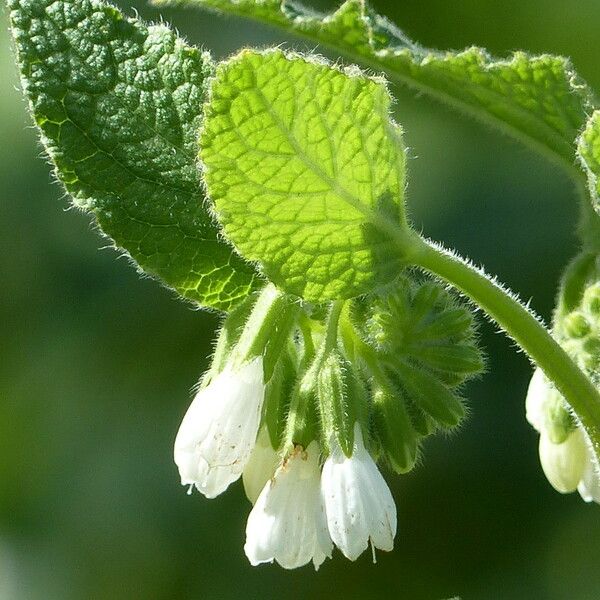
{"x": 219, "y": 430}
{"x": 261, "y": 466}
{"x": 564, "y": 463}
{"x": 566, "y": 455}
{"x": 358, "y": 503}
{"x": 287, "y": 523}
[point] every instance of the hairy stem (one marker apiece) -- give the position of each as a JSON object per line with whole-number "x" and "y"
{"x": 521, "y": 325}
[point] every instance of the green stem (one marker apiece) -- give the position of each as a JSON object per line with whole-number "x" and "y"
{"x": 520, "y": 324}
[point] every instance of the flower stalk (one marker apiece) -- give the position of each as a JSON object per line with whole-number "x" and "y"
{"x": 521, "y": 325}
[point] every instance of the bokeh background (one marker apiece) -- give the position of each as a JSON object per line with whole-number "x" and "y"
{"x": 96, "y": 365}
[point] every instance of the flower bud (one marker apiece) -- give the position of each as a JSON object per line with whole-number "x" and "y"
{"x": 394, "y": 430}
{"x": 591, "y": 299}
{"x": 546, "y": 409}
{"x": 564, "y": 463}
{"x": 422, "y": 324}
{"x": 342, "y": 401}
{"x": 567, "y": 458}
{"x": 576, "y": 325}
{"x": 577, "y": 322}
{"x": 425, "y": 343}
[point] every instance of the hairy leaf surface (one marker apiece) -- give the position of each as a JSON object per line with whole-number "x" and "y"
{"x": 538, "y": 99}
{"x": 118, "y": 104}
{"x": 589, "y": 153}
{"x": 306, "y": 171}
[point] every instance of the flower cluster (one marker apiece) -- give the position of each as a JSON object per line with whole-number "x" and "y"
{"x": 301, "y": 406}
{"x": 300, "y": 509}
{"x": 566, "y": 455}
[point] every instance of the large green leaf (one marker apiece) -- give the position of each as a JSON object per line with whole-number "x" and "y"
{"x": 118, "y": 104}
{"x": 538, "y": 99}
{"x": 306, "y": 171}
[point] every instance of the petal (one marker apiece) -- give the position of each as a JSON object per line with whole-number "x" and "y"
{"x": 219, "y": 430}
{"x": 564, "y": 464}
{"x": 261, "y": 466}
{"x": 536, "y": 397}
{"x": 589, "y": 486}
{"x": 359, "y": 505}
{"x": 287, "y": 523}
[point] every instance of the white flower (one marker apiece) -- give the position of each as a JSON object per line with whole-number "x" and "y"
{"x": 261, "y": 466}
{"x": 589, "y": 485}
{"x": 537, "y": 395}
{"x": 219, "y": 430}
{"x": 571, "y": 464}
{"x": 564, "y": 463}
{"x": 287, "y": 523}
{"x": 358, "y": 503}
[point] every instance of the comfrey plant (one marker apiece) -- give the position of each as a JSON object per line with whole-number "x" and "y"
{"x": 271, "y": 187}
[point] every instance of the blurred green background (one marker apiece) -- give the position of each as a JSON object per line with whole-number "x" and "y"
{"x": 96, "y": 365}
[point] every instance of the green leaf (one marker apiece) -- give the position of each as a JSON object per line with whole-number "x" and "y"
{"x": 589, "y": 154}
{"x": 118, "y": 104}
{"x": 538, "y": 99}
{"x": 306, "y": 171}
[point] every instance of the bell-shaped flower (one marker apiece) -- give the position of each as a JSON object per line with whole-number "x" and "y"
{"x": 358, "y": 503}
{"x": 287, "y": 523}
{"x": 261, "y": 466}
{"x": 564, "y": 463}
{"x": 219, "y": 430}
{"x": 566, "y": 455}
{"x": 589, "y": 484}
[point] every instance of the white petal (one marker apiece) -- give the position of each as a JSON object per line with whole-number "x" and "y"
{"x": 535, "y": 400}
{"x": 261, "y": 466}
{"x": 564, "y": 464}
{"x": 358, "y": 503}
{"x": 219, "y": 430}
{"x": 287, "y": 523}
{"x": 589, "y": 486}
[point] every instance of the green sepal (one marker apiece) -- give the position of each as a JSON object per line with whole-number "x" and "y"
{"x": 431, "y": 396}
{"x": 456, "y": 323}
{"x": 302, "y": 424}
{"x": 267, "y": 329}
{"x": 229, "y": 335}
{"x": 394, "y": 431}
{"x": 280, "y": 336}
{"x": 278, "y": 394}
{"x": 559, "y": 422}
{"x": 461, "y": 360}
